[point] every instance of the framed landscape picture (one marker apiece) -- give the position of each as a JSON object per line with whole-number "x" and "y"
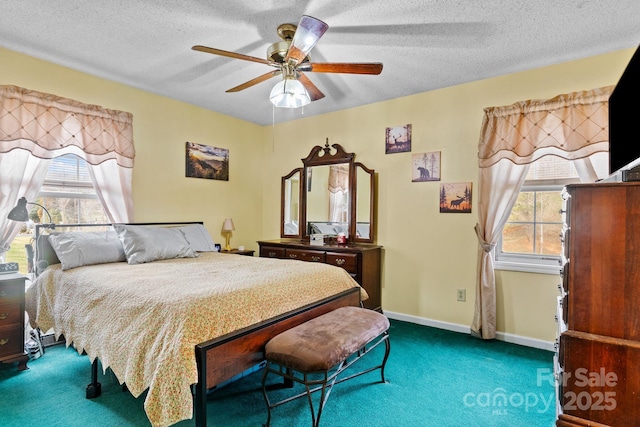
{"x": 425, "y": 167}
{"x": 203, "y": 161}
{"x": 455, "y": 197}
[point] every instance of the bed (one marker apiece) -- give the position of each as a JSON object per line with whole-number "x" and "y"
{"x": 178, "y": 324}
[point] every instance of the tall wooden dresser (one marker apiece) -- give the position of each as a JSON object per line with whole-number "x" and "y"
{"x": 598, "y": 360}
{"x": 361, "y": 260}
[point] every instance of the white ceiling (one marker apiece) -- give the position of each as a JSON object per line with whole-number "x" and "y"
{"x": 423, "y": 44}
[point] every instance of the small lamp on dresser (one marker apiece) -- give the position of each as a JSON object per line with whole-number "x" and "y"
{"x": 227, "y": 228}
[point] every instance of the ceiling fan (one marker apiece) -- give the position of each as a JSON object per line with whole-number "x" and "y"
{"x": 290, "y": 58}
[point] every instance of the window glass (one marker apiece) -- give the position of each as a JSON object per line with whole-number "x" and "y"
{"x": 530, "y": 240}
{"x": 68, "y": 193}
{"x": 69, "y": 196}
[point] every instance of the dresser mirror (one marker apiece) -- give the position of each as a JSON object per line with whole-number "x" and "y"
{"x": 330, "y": 195}
{"x": 290, "y": 209}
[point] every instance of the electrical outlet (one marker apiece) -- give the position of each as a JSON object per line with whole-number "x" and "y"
{"x": 462, "y": 295}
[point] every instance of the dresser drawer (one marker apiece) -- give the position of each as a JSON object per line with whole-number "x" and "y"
{"x": 347, "y": 261}
{"x": 11, "y": 292}
{"x": 11, "y": 340}
{"x": 10, "y": 314}
{"x": 305, "y": 255}
{"x": 272, "y": 252}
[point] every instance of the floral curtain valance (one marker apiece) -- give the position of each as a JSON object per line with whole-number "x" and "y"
{"x": 45, "y": 125}
{"x": 572, "y": 126}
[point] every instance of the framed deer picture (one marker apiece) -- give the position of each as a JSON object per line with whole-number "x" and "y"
{"x": 455, "y": 197}
{"x": 397, "y": 139}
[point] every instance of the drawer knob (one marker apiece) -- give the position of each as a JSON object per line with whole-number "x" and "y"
{"x": 3, "y": 316}
{"x": 294, "y": 256}
{"x": 315, "y": 258}
{"x": 272, "y": 254}
{"x": 340, "y": 261}
{"x": 4, "y": 341}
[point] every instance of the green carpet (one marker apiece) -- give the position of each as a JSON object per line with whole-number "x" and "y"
{"x": 435, "y": 378}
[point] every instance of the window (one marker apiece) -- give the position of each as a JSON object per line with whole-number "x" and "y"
{"x": 69, "y": 196}
{"x": 68, "y": 193}
{"x": 530, "y": 239}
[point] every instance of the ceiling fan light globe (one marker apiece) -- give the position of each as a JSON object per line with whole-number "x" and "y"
{"x": 289, "y": 93}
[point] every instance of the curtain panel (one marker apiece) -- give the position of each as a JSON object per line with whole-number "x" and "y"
{"x": 572, "y": 126}
{"x": 36, "y": 127}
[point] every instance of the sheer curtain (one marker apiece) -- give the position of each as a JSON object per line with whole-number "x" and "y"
{"x": 572, "y": 126}
{"x": 338, "y": 190}
{"x": 36, "y": 127}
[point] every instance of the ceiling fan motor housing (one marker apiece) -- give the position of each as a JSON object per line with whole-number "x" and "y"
{"x": 277, "y": 51}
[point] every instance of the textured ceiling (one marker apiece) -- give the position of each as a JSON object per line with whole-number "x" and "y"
{"x": 423, "y": 44}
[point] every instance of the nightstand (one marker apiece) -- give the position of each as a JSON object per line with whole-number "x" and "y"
{"x": 12, "y": 320}
{"x": 238, "y": 252}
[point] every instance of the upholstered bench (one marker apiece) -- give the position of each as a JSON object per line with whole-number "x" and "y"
{"x": 316, "y": 352}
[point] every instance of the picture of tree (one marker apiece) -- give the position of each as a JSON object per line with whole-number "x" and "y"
{"x": 398, "y": 139}
{"x": 455, "y": 197}
{"x": 425, "y": 167}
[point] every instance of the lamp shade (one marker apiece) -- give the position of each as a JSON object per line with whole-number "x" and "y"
{"x": 20, "y": 212}
{"x": 289, "y": 93}
{"x": 228, "y": 225}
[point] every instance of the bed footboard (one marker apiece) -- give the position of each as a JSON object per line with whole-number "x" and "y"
{"x": 222, "y": 358}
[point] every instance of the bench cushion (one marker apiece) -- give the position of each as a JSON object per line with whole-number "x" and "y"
{"x": 323, "y": 342}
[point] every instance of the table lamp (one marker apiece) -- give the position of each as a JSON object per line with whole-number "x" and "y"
{"x": 227, "y": 228}
{"x": 21, "y": 214}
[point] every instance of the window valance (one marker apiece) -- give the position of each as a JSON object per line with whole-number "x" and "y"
{"x": 572, "y": 126}
{"x": 338, "y": 178}
{"x": 45, "y": 124}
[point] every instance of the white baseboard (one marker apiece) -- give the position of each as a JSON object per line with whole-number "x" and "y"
{"x": 502, "y": 336}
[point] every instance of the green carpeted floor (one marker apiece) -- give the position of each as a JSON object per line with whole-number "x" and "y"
{"x": 435, "y": 378}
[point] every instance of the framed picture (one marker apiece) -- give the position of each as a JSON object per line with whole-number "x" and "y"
{"x": 455, "y": 197}
{"x": 203, "y": 161}
{"x": 398, "y": 139}
{"x": 425, "y": 167}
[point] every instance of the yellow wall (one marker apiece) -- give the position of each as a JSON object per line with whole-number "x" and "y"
{"x": 427, "y": 255}
{"x": 161, "y": 127}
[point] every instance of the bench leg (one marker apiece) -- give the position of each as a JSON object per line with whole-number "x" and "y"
{"x": 387, "y": 349}
{"x": 264, "y": 393}
{"x": 324, "y": 395}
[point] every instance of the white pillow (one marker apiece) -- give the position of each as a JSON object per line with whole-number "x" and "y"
{"x": 198, "y": 237}
{"x": 145, "y": 244}
{"x": 75, "y": 249}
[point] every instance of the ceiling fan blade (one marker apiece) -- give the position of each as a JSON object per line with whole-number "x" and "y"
{"x": 305, "y": 38}
{"x": 255, "y": 81}
{"x": 342, "y": 67}
{"x": 314, "y": 92}
{"x": 230, "y": 54}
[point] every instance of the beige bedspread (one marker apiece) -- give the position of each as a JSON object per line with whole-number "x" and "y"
{"x": 143, "y": 321}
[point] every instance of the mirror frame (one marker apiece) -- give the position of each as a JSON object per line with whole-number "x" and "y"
{"x": 372, "y": 205}
{"x": 323, "y": 156}
{"x": 282, "y": 204}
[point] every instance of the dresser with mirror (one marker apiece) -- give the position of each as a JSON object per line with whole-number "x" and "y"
{"x": 328, "y": 214}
